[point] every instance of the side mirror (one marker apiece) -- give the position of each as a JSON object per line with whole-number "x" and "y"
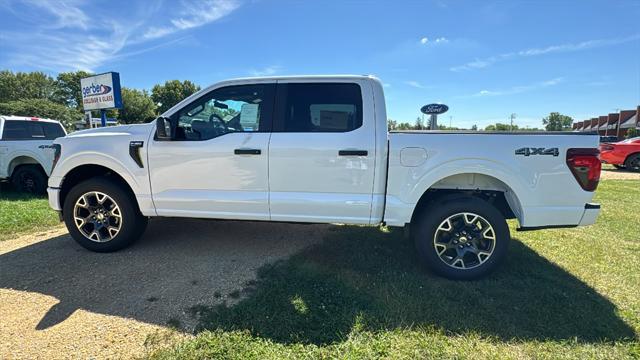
{"x": 163, "y": 129}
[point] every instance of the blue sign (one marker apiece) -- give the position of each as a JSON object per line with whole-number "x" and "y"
{"x": 434, "y": 109}
{"x": 101, "y": 92}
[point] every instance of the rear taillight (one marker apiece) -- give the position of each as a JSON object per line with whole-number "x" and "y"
{"x": 585, "y": 167}
{"x": 607, "y": 147}
{"x": 57, "y": 150}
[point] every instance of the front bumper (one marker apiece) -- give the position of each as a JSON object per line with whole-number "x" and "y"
{"x": 54, "y": 198}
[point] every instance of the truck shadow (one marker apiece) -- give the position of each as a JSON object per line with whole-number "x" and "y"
{"x": 356, "y": 278}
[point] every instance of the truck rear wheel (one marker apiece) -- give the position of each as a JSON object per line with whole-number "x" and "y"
{"x": 29, "y": 179}
{"x": 101, "y": 216}
{"x": 461, "y": 238}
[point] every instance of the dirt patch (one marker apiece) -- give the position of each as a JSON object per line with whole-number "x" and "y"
{"x": 59, "y": 300}
{"x": 611, "y": 173}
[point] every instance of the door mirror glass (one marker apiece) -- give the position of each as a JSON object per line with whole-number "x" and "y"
{"x": 163, "y": 129}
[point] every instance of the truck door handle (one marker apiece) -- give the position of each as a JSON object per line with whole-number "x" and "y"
{"x": 353, "y": 153}
{"x": 247, "y": 151}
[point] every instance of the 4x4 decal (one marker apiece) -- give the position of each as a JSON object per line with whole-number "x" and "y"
{"x": 526, "y": 151}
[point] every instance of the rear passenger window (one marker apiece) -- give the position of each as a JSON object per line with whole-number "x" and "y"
{"x": 16, "y": 130}
{"x": 31, "y": 130}
{"x": 319, "y": 107}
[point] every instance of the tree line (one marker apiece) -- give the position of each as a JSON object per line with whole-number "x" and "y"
{"x": 554, "y": 122}
{"x": 39, "y": 94}
{"x": 60, "y": 98}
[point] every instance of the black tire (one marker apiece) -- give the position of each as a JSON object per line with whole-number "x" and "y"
{"x": 619, "y": 167}
{"x": 633, "y": 163}
{"x": 30, "y": 179}
{"x": 131, "y": 223}
{"x": 430, "y": 218}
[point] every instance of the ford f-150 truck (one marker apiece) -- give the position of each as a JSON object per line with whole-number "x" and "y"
{"x": 26, "y": 151}
{"x": 315, "y": 149}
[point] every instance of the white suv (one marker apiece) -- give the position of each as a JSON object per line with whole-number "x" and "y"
{"x": 27, "y": 151}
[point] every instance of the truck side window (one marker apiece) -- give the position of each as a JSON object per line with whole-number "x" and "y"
{"x": 53, "y": 131}
{"x": 240, "y": 108}
{"x": 36, "y": 130}
{"x": 318, "y": 107}
{"x": 16, "y": 130}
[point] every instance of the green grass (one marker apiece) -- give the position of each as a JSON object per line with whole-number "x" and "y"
{"x": 361, "y": 294}
{"x": 22, "y": 213}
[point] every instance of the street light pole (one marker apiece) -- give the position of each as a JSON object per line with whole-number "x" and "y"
{"x": 512, "y": 116}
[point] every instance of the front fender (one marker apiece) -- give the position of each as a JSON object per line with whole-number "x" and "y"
{"x": 134, "y": 176}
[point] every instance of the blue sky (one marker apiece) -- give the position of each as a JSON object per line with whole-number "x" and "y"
{"x": 485, "y": 59}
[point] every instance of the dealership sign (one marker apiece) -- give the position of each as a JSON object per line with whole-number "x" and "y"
{"x": 101, "y": 91}
{"x": 434, "y": 109}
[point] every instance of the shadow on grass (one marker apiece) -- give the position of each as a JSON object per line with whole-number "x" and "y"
{"x": 363, "y": 279}
{"x": 7, "y": 192}
{"x": 357, "y": 278}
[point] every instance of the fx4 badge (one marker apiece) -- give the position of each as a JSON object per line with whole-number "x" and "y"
{"x": 537, "y": 151}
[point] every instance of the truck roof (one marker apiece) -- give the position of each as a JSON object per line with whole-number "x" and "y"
{"x": 304, "y": 77}
{"x": 27, "y": 118}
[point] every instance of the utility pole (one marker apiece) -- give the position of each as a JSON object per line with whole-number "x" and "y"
{"x": 512, "y": 116}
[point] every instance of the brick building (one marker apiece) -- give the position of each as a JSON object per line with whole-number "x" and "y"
{"x": 614, "y": 124}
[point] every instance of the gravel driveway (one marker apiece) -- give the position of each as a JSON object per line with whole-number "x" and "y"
{"x": 59, "y": 300}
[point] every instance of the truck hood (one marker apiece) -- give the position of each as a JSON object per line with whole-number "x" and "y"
{"x": 120, "y": 130}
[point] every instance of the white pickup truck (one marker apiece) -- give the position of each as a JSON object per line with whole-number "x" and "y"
{"x": 26, "y": 151}
{"x": 316, "y": 149}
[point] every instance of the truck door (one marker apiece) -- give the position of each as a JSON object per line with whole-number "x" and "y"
{"x": 322, "y": 152}
{"x": 216, "y": 165}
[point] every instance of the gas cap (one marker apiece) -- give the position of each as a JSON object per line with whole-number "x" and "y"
{"x": 413, "y": 156}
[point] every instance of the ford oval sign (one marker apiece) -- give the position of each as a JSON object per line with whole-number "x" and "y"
{"x": 434, "y": 109}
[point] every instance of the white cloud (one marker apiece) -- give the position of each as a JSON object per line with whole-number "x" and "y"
{"x": 194, "y": 14}
{"x": 66, "y": 12}
{"x": 439, "y": 40}
{"x": 63, "y": 37}
{"x": 518, "y": 89}
{"x": 482, "y": 63}
{"x": 269, "y": 70}
{"x": 414, "y": 84}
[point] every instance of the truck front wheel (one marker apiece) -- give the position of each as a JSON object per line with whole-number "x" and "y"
{"x": 461, "y": 238}
{"x": 101, "y": 216}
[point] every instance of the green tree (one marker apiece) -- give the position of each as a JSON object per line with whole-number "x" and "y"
{"x": 171, "y": 93}
{"x": 501, "y": 127}
{"x": 68, "y": 84}
{"x": 557, "y": 122}
{"x": 633, "y": 132}
{"x": 137, "y": 106}
{"x": 32, "y": 85}
{"x": 474, "y": 127}
{"x": 41, "y": 108}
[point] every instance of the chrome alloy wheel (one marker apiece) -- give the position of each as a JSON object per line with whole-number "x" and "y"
{"x": 464, "y": 240}
{"x": 97, "y": 216}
